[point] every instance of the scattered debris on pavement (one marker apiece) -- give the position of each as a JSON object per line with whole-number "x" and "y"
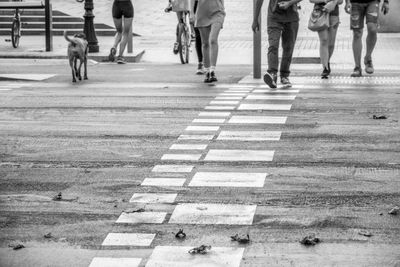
{"x": 379, "y": 117}
{"x": 241, "y": 240}
{"x": 58, "y": 197}
{"x": 48, "y": 235}
{"x": 202, "y": 208}
{"x": 203, "y": 249}
{"x": 394, "y": 211}
{"x": 365, "y": 233}
{"x": 310, "y": 240}
{"x": 134, "y": 210}
{"x": 16, "y": 246}
{"x": 180, "y": 234}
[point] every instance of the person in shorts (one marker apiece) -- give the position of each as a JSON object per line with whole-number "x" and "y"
{"x": 282, "y": 23}
{"x": 358, "y": 10}
{"x": 327, "y": 37}
{"x": 122, "y": 12}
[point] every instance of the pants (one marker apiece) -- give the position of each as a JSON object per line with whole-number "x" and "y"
{"x": 288, "y": 32}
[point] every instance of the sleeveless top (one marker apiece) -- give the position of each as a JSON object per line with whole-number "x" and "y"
{"x": 335, "y": 12}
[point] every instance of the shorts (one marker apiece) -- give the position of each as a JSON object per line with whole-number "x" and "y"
{"x": 122, "y": 8}
{"x": 360, "y": 10}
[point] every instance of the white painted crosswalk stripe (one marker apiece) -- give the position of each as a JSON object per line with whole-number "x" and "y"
{"x": 128, "y": 239}
{"x": 188, "y": 147}
{"x": 202, "y": 128}
{"x": 195, "y": 137}
{"x": 237, "y": 91}
{"x": 257, "y": 120}
{"x": 228, "y": 179}
{"x": 271, "y": 91}
{"x": 229, "y": 98}
{"x": 233, "y": 94}
{"x": 174, "y": 256}
{"x": 163, "y": 182}
{"x": 219, "y": 108}
{"x": 184, "y": 157}
{"x": 239, "y": 155}
{"x": 172, "y": 168}
{"x": 250, "y": 135}
{"x": 214, "y": 114}
{"x": 195, "y": 213}
{"x": 142, "y": 217}
{"x": 224, "y": 102}
{"x": 271, "y": 97}
{"x": 115, "y": 262}
{"x": 153, "y": 198}
{"x": 265, "y": 107}
{"x": 219, "y": 121}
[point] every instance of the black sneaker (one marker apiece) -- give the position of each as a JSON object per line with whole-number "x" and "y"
{"x": 213, "y": 77}
{"x": 270, "y": 79}
{"x": 325, "y": 73}
{"x": 208, "y": 77}
{"x": 176, "y": 48}
{"x": 111, "y": 56}
{"x": 356, "y": 72}
{"x": 369, "y": 67}
{"x": 285, "y": 82}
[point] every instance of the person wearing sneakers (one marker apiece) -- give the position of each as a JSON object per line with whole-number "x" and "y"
{"x": 199, "y": 52}
{"x": 209, "y": 19}
{"x": 122, "y": 12}
{"x": 282, "y": 23}
{"x": 358, "y": 10}
{"x": 327, "y": 37}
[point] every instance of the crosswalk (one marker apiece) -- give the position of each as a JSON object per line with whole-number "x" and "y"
{"x": 239, "y": 105}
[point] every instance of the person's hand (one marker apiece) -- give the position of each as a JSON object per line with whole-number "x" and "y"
{"x": 330, "y": 6}
{"x": 284, "y": 5}
{"x": 347, "y": 7}
{"x": 385, "y": 8}
{"x": 255, "y": 26}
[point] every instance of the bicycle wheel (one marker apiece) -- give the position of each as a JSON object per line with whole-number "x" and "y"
{"x": 184, "y": 42}
{"x": 15, "y": 33}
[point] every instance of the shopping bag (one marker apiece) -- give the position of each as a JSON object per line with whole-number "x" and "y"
{"x": 319, "y": 20}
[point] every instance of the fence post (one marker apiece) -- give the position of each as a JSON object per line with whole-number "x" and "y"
{"x": 257, "y": 47}
{"x": 49, "y": 26}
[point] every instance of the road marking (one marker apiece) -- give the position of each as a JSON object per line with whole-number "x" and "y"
{"x": 195, "y": 137}
{"x": 153, "y": 198}
{"x": 239, "y": 155}
{"x": 142, "y": 217}
{"x": 257, "y": 120}
{"x": 1, "y": 89}
{"x": 229, "y": 97}
{"x": 214, "y": 114}
{"x": 172, "y": 168}
{"x": 163, "y": 182}
{"x": 224, "y": 102}
{"x": 202, "y": 128}
{"x": 271, "y": 97}
{"x": 187, "y": 157}
{"x": 195, "y": 213}
{"x": 228, "y": 179}
{"x": 128, "y": 239}
{"x": 264, "y": 107}
{"x": 220, "y": 121}
{"x": 267, "y": 91}
{"x": 31, "y": 77}
{"x": 169, "y": 256}
{"x": 115, "y": 262}
{"x": 188, "y": 147}
{"x": 232, "y": 94}
{"x": 250, "y": 135}
{"x": 220, "y": 107}
{"x": 237, "y": 91}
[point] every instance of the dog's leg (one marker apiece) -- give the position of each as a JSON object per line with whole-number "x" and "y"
{"x": 79, "y": 69}
{"x": 85, "y": 67}
{"x": 71, "y": 64}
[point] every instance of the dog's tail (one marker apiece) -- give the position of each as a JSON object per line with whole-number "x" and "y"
{"x": 68, "y": 39}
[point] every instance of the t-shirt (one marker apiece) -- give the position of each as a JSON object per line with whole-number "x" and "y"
{"x": 335, "y": 12}
{"x": 209, "y": 12}
{"x": 281, "y": 15}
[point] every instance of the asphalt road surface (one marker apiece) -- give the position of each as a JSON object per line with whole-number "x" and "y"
{"x": 140, "y": 151}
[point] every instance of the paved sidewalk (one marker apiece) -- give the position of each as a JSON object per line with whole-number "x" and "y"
{"x": 157, "y": 36}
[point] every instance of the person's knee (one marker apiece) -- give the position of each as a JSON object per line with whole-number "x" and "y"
{"x": 372, "y": 29}
{"x": 357, "y": 34}
{"x": 214, "y": 42}
{"x": 205, "y": 45}
{"x": 324, "y": 41}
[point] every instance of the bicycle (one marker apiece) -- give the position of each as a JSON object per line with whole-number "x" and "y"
{"x": 184, "y": 35}
{"x": 16, "y": 27}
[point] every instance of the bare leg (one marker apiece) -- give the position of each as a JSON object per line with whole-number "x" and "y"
{"x": 323, "y": 47}
{"x": 205, "y": 40}
{"x": 215, "y": 29}
{"x": 332, "y": 39}
{"x": 357, "y": 46}
{"x": 371, "y": 39}
{"x": 118, "y": 35}
{"x": 125, "y": 35}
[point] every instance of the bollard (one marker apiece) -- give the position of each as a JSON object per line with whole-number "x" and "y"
{"x": 257, "y": 48}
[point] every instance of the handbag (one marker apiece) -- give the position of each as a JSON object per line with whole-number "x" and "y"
{"x": 180, "y": 5}
{"x": 319, "y": 20}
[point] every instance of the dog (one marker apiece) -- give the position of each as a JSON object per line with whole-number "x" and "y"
{"x": 77, "y": 49}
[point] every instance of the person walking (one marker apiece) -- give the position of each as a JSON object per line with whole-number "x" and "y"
{"x": 122, "y": 12}
{"x": 199, "y": 52}
{"x": 327, "y": 37}
{"x": 358, "y": 10}
{"x": 282, "y": 23}
{"x": 210, "y": 16}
